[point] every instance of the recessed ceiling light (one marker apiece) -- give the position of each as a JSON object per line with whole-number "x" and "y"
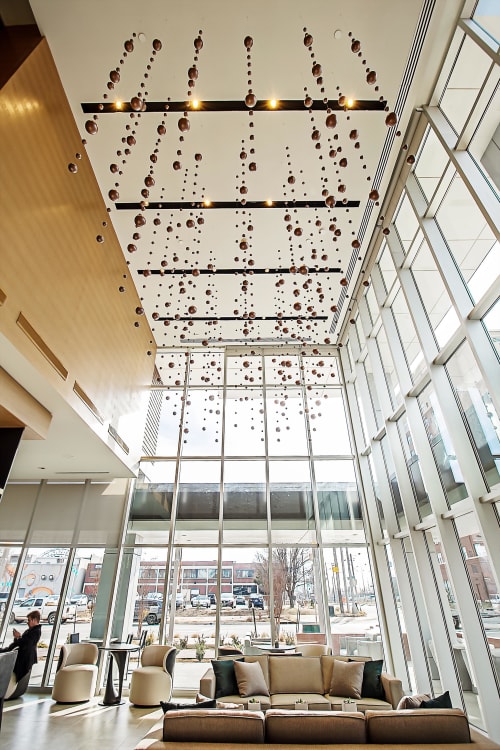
{"x": 273, "y": 103}
{"x": 269, "y": 202}
{"x": 195, "y": 104}
{"x": 206, "y": 202}
{"x": 350, "y": 102}
{"x": 118, "y": 104}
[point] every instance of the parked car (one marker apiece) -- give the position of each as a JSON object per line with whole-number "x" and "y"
{"x": 200, "y": 601}
{"x": 212, "y": 598}
{"x": 227, "y": 600}
{"x": 3, "y": 601}
{"x": 46, "y": 605}
{"x": 256, "y": 601}
{"x": 81, "y": 601}
{"x": 149, "y": 610}
{"x": 240, "y": 601}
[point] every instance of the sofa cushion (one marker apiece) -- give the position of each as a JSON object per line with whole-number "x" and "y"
{"x": 417, "y": 726}
{"x": 314, "y": 701}
{"x": 250, "y": 679}
{"x": 213, "y": 726}
{"x": 314, "y": 727}
{"x": 412, "y": 701}
{"x": 263, "y": 660}
{"x": 287, "y": 673}
{"x": 372, "y": 686}
{"x": 347, "y": 679}
{"x": 225, "y": 678}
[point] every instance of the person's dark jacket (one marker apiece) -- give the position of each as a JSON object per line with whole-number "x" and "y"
{"x": 26, "y": 655}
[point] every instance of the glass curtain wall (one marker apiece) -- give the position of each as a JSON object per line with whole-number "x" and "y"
{"x": 424, "y": 367}
{"x": 248, "y": 504}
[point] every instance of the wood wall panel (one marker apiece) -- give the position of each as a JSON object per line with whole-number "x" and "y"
{"x": 52, "y": 269}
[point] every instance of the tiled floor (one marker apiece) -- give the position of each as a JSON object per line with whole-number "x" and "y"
{"x": 36, "y": 721}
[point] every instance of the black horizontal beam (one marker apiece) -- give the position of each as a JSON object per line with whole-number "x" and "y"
{"x": 233, "y": 205}
{"x": 236, "y": 271}
{"x": 223, "y": 318}
{"x": 236, "y": 105}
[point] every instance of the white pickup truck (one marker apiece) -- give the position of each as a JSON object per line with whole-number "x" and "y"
{"x": 46, "y": 605}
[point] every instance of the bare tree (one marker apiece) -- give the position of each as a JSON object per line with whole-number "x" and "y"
{"x": 289, "y": 569}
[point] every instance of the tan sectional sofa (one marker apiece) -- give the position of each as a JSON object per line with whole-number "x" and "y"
{"x": 309, "y": 678}
{"x": 307, "y": 730}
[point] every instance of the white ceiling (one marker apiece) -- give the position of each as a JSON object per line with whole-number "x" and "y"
{"x": 402, "y": 41}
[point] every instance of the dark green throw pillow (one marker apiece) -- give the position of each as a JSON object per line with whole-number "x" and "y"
{"x": 179, "y": 706}
{"x": 225, "y": 679}
{"x": 442, "y": 701}
{"x": 372, "y": 685}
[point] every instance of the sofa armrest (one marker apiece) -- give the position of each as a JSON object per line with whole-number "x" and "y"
{"x": 207, "y": 683}
{"x": 393, "y": 689}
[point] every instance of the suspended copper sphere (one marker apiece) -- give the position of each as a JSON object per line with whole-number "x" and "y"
{"x": 355, "y": 244}
{"x": 341, "y": 188}
{"x": 315, "y": 135}
{"x": 140, "y": 220}
{"x": 157, "y": 222}
{"x": 113, "y": 168}
{"x": 308, "y": 40}
{"x": 343, "y": 282}
{"x": 131, "y": 248}
{"x": 129, "y": 45}
{"x": 190, "y": 223}
{"x": 114, "y": 195}
{"x": 252, "y": 166}
{"x": 304, "y": 270}
{"x": 291, "y": 180}
{"x": 308, "y": 102}
{"x": 243, "y": 190}
{"x": 243, "y": 245}
{"x": 157, "y": 45}
{"x": 410, "y": 159}
{"x": 204, "y": 342}
{"x": 183, "y": 124}
{"x": 371, "y": 77}
{"x": 161, "y": 130}
{"x": 353, "y": 135}
{"x": 149, "y": 181}
{"x": 297, "y": 232}
{"x": 176, "y": 165}
{"x": 136, "y": 103}
{"x": 330, "y": 201}
{"x": 250, "y": 100}
{"x": 331, "y": 121}
{"x": 374, "y": 196}
{"x": 343, "y": 162}
{"x": 248, "y": 42}
{"x": 91, "y": 127}
{"x": 198, "y": 43}
{"x": 391, "y": 119}
{"x": 100, "y": 238}
{"x": 73, "y": 168}
{"x": 386, "y": 231}
{"x": 316, "y": 70}
{"x": 198, "y": 157}
{"x": 355, "y": 46}
{"x": 342, "y": 100}
{"x": 366, "y": 283}
{"x": 191, "y": 309}
{"x": 196, "y": 272}
{"x": 139, "y": 310}
{"x": 193, "y": 73}
{"x": 333, "y": 308}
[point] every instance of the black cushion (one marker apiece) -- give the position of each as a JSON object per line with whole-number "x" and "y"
{"x": 442, "y": 701}
{"x": 225, "y": 678}
{"x": 178, "y": 706}
{"x": 372, "y": 685}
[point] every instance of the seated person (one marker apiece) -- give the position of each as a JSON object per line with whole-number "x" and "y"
{"x": 26, "y": 644}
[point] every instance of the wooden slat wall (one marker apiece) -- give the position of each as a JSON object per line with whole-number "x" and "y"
{"x": 53, "y": 272}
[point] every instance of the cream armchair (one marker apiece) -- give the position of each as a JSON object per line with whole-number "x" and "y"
{"x": 76, "y": 674}
{"x": 152, "y": 681}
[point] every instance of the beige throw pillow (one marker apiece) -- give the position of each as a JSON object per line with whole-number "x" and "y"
{"x": 412, "y": 701}
{"x": 347, "y": 679}
{"x": 250, "y": 678}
